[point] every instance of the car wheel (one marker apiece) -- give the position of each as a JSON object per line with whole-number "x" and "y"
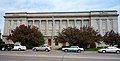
{"x": 19, "y": 49}
{"x": 3, "y": 48}
{"x": 103, "y": 51}
{"x": 46, "y": 50}
{"x": 78, "y": 51}
{"x": 35, "y": 49}
{"x": 117, "y": 51}
{"x": 66, "y": 50}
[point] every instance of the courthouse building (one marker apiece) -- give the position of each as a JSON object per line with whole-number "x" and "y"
{"x": 51, "y": 23}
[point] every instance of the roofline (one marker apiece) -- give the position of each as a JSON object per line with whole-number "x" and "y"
{"x": 59, "y": 12}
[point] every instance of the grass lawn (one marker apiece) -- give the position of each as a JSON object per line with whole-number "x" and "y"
{"x": 91, "y": 49}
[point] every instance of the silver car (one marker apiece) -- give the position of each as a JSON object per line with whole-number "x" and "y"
{"x": 42, "y": 48}
{"x": 109, "y": 50}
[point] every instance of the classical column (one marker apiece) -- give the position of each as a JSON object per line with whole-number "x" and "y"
{"x": 67, "y": 23}
{"x": 33, "y": 23}
{"x": 40, "y": 25}
{"x": 46, "y": 27}
{"x": 108, "y": 25}
{"x": 60, "y": 25}
{"x": 82, "y": 22}
{"x": 75, "y": 23}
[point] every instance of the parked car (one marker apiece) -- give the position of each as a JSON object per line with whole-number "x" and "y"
{"x": 73, "y": 48}
{"x": 4, "y": 46}
{"x": 19, "y": 47}
{"x": 109, "y": 50}
{"x": 42, "y": 48}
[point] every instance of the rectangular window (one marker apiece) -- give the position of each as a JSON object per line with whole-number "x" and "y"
{"x": 43, "y": 23}
{"x": 37, "y": 23}
{"x": 64, "y": 23}
{"x": 20, "y": 22}
{"x": 9, "y": 23}
{"x": 111, "y": 24}
{"x": 97, "y": 24}
{"x": 50, "y": 23}
{"x": 57, "y": 32}
{"x": 57, "y": 23}
{"x": 30, "y": 22}
{"x": 104, "y": 23}
{"x": 71, "y": 23}
{"x": 78, "y": 23}
{"x": 15, "y": 23}
{"x": 86, "y": 23}
{"x": 104, "y": 31}
{"x": 50, "y": 32}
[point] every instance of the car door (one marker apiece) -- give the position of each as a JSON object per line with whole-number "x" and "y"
{"x": 43, "y": 47}
{"x": 16, "y": 47}
{"x": 110, "y": 49}
{"x": 39, "y": 48}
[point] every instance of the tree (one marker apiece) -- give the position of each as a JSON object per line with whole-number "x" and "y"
{"x": 69, "y": 35}
{"x": 111, "y": 38}
{"x": 27, "y": 35}
{"x": 89, "y": 36}
{"x": 0, "y": 37}
{"x": 83, "y": 37}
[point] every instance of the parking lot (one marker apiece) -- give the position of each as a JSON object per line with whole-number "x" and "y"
{"x": 56, "y": 55}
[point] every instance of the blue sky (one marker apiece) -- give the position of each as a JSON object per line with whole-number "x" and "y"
{"x": 56, "y": 5}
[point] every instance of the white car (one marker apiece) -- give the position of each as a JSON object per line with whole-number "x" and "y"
{"x": 42, "y": 48}
{"x": 19, "y": 47}
{"x": 109, "y": 50}
{"x": 73, "y": 48}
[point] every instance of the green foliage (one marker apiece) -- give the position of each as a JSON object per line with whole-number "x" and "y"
{"x": 27, "y": 35}
{"x": 83, "y": 37}
{"x": 92, "y": 49}
{"x": 111, "y": 38}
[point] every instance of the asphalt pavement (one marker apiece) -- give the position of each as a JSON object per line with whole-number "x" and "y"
{"x": 57, "y": 56}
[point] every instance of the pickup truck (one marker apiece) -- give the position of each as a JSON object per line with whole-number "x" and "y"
{"x": 73, "y": 48}
{"x": 4, "y": 46}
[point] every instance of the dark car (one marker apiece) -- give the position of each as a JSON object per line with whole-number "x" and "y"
{"x": 4, "y": 46}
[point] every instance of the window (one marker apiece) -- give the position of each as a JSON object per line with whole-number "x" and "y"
{"x": 20, "y": 22}
{"x": 9, "y": 23}
{"x": 15, "y": 23}
{"x": 71, "y": 23}
{"x": 57, "y": 32}
{"x": 37, "y": 23}
{"x": 86, "y": 23}
{"x": 50, "y": 32}
{"x": 104, "y": 31}
{"x": 78, "y": 23}
{"x": 50, "y": 23}
{"x": 57, "y": 23}
{"x": 64, "y": 23}
{"x": 111, "y": 24}
{"x": 30, "y": 22}
{"x": 97, "y": 24}
{"x": 104, "y": 23}
{"x": 43, "y": 23}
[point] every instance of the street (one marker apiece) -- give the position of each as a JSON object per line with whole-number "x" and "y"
{"x": 56, "y": 56}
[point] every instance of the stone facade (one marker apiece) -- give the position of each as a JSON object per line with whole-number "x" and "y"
{"x": 51, "y": 23}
